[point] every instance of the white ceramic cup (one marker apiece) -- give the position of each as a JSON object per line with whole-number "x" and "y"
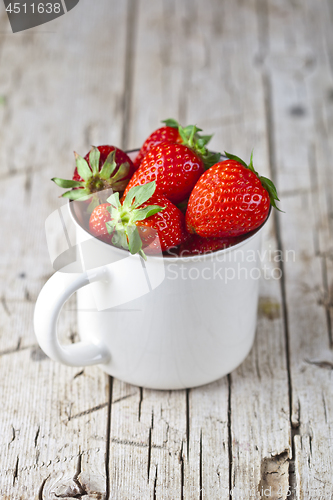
{"x": 167, "y": 323}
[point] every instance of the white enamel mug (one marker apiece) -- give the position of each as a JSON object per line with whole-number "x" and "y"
{"x": 164, "y": 323}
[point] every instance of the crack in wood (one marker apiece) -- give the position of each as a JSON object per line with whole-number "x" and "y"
{"x": 136, "y": 444}
{"x": 87, "y": 412}
{"x": 76, "y": 477}
{"x": 188, "y": 423}
{"x": 41, "y": 489}
{"x": 36, "y": 436}
{"x": 329, "y": 304}
{"x": 325, "y": 407}
{"x": 5, "y": 306}
{"x": 155, "y": 484}
{"x": 230, "y": 439}
{"x": 17, "y": 348}
{"x": 140, "y": 404}
{"x": 27, "y": 295}
{"x": 124, "y": 397}
{"x": 108, "y": 439}
{"x": 13, "y": 435}
{"x": 16, "y": 470}
{"x": 78, "y": 374}
{"x": 200, "y": 467}
{"x": 150, "y": 443}
{"x": 327, "y": 365}
{"x": 181, "y": 461}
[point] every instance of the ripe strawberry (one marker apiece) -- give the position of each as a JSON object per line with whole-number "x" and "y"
{"x": 174, "y": 167}
{"x": 169, "y": 133}
{"x": 136, "y": 223}
{"x": 230, "y": 199}
{"x": 105, "y": 167}
{"x": 197, "y": 245}
{"x": 99, "y": 217}
{"x": 175, "y": 133}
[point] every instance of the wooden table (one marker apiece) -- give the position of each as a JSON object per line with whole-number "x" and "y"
{"x": 259, "y": 75}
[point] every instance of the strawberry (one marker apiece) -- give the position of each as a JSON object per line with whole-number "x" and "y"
{"x": 175, "y": 133}
{"x": 99, "y": 217}
{"x": 105, "y": 167}
{"x": 169, "y": 133}
{"x": 230, "y": 199}
{"x": 142, "y": 219}
{"x": 197, "y": 245}
{"x": 174, "y": 167}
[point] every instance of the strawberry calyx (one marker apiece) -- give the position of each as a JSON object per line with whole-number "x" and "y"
{"x": 122, "y": 225}
{"x": 95, "y": 180}
{"x": 265, "y": 182}
{"x": 190, "y": 137}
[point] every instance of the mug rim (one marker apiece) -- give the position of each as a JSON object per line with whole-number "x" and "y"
{"x": 190, "y": 258}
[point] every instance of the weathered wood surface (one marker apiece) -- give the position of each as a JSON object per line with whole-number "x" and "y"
{"x": 259, "y": 74}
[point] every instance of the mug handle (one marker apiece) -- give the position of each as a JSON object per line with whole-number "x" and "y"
{"x": 52, "y": 297}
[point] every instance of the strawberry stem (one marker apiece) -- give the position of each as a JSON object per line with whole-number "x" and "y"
{"x": 191, "y": 138}
{"x": 122, "y": 225}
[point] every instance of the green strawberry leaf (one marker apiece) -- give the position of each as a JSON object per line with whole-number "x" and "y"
{"x": 67, "y": 183}
{"x": 134, "y": 240}
{"x": 210, "y": 159}
{"x": 95, "y": 201}
{"x": 130, "y": 196}
{"x": 203, "y": 140}
{"x": 271, "y": 189}
{"x": 82, "y": 167}
{"x": 108, "y": 166}
{"x": 250, "y": 165}
{"x": 110, "y": 226}
{"x": 170, "y": 122}
{"x": 94, "y": 157}
{"x": 189, "y": 128}
{"x": 192, "y": 134}
{"x": 77, "y": 194}
{"x": 144, "y": 213}
{"x": 236, "y": 158}
{"x": 119, "y": 238}
{"x": 270, "y": 185}
{"x": 114, "y": 200}
{"x": 141, "y": 194}
{"x": 182, "y": 134}
{"x": 122, "y": 172}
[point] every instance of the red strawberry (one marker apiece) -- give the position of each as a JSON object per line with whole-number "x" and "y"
{"x": 99, "y": 217}
{"x": 105, "y": 167}
{"x": 136, "y": 223}
{"x": 174, "y": 167}
{"x": 120, "y": 157}
{"x": 230, "y": 199}
{"x": 197, "y": 245}
{"x": 163, "y": 134}
{"x": 175, "y": 133}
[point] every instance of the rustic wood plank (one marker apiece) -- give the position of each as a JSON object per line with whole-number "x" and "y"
{"x": 63, "y": 89}
{"x": 299, "y": 73}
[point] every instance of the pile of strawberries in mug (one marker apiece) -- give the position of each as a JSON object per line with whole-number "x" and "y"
{"x": 176, "y": 194}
